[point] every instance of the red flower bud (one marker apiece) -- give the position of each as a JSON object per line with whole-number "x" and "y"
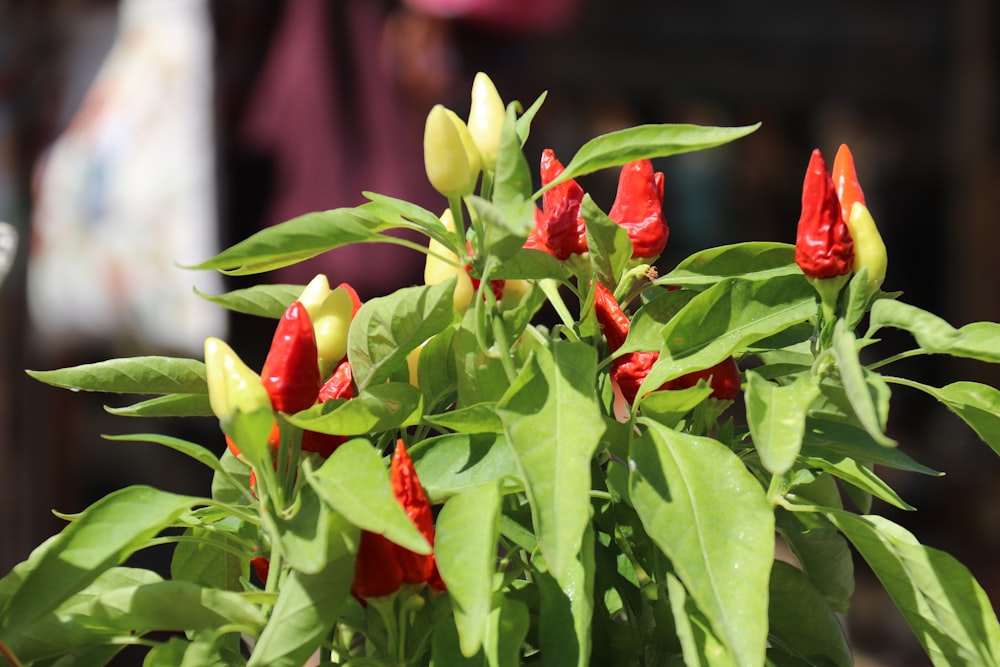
{"x": 638, "y": 208}
{"x": 823, "y": 245}
{"x": 291, "y": 370}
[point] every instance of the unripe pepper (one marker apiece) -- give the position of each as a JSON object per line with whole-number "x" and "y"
{"x": 562, "y": 228}
{"x": 331, "y": 323}
{"x": 437, "y": 269}
{"x": 823, "y": 244}
{"x": 486, "y": 116}
{"x": 451, "y": 158}
{"x": 869, "y": 248}
{"x": 638, "y": 207}
{"x": 232, "y": 385}
{"x": 291, "y": 370}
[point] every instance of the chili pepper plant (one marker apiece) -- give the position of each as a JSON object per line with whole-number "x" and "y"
{"x": 549, "y": 452}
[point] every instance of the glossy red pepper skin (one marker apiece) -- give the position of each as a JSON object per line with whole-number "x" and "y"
{"x": 261, "y": 567}
{"x": 614, "y": 323}
{"x": 638, "y": 207}
{"x": 377, "y": 573}
{"x": 340, "y": 385}
{"x": 562, "y": 227}
{"x": 723, "y": 377}
{"x": 291, "y": 370}
{"x": 845, "y": 181}
{"x": 823, "y": 244}
{"x": 417, "y": 568}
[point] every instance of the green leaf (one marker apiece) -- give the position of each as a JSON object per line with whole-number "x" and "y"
{"x": 710, "y": 516}
{"x": 260, "y": 300}
{"x": 645, "y": 141}
{"x": 388, "y": 328}
{"x": 854, "y": 473}
{"x": 776, "y": 416}
{"x": 508, "y": 626}
{"x": 553, "y": 423}
{"x": 978, "y": 340}
{"x": 523, "y": 125}
{"x": 646, "y": 330}
{"x": 230, "y": 484}
{"x": 436, "y": 372}
{"x": 303, "y": 535}
{"x": 378, "y": 408}
{"x": 528, "y": 264}
{"x": 410, "y": 215}
{"x": 608, "y": 242}
{"x": 699, "y": 644}
{"x": 977, "y": 404}
{"x": 866, "y": 390}
{"x": 802, "y": 622}
{"x": 669, "y": 407}
{"x": 193, "y": 450}
{"x": 298, "y": 239}
{"x": 102, "y": 536}
{"x": 171, "y": 606}
{"x": 726, "y": 317}
{"x": 210, "y": 561}
{"x": 944, "y": 605}
{"x": 478, "y": 418}
{"x": 822, "y": 553}
{"x": 746, "y": 261}
{"x": 132, "y": 375}
{"x": 309, "y": 605}
{"x": 453, "y": 463}
{"x": 354, "y": 481}
{"x": 566, "y": 609}
{"x": 853, "y": 442}
{"x": 506, "y": 225}
{"x": 170, "y": 405}
{"x": 480, "y": 377}
{"x": 465, "y": 548}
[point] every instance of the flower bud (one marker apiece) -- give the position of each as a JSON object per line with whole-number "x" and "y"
{"x": 486, "y": 116}
{"x": 450, "y": 155}
{"x": 869, "y": 249}
{"x": 232, "y": 385}
{"x": 437, "y": 270}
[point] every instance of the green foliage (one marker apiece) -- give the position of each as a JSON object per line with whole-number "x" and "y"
{"x": 569, "y": 527}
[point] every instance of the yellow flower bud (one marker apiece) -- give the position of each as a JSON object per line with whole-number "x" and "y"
{"x": 869, "y": 249}
{"x": 331, "y": 324}
{"x": 232, "y": 385}
{"x": 486, "y": 117}
{"x": 450, "y": 155}
{"x": 437, "y": 270}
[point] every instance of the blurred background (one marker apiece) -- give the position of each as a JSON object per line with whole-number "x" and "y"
{"x": 140, "y": 135}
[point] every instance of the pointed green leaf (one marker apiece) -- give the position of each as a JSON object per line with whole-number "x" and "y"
{"x": 507, "y": 225}
{"x": 231, "y": 484}
{"x": 505, "y": 634}
{"x": 171, "y": 606}
{"x": 260, "y": 300}
{"x": 699, "y": 645}
{"x": 866, "y": 391}
{"x": 747, "y": 261}
{"x": 609, "y": 244}
{"x": 309, "y": 605}
{"x": 710, "y": 516}
{"x": 944, "y": 605}
{"x": 977, "y": 404}
{"x": 776, "y": 416}
{"x": 478, "y": 418}
{"x": 298, "y": 239}
{"x": 170, "y": 405}
{"x": 856, "y": 443}
{"x": 553, "y": 423}
{"x": 388, "y": 328}
{"x": 410, "y": 215}
{"x": 566, "y": 609}
{"x": 465, "y": 548}
{"x": 102, "y": 536}
{"x": 854, "y": 473}
{"x": 197, "y": 452}
{"x": 354, "y": 481}
{"x": 727, "y": 317}
{"x": 646, "y": 331}
{"x": 452, "y": 463}
{"x": 210, "y": 561}
{"x": 132, "y": 375}
{"x": 978, "y": 340}
{"x": 302, "y": 536}
{"x": 802, "y": 622}
{"x": 645, "y": 141}
{"x": 378, "y": 408}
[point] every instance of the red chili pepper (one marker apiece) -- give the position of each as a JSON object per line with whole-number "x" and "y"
{"x": 417, "y": 568}
{"x": 338, "y": 386}
{"x": 638, "y": 208}
{"x": 630, "y": 370}
{"x": 291, "y": 370}
{"x": 823, "y": 245}
{"x": 496, "y": 286}
{"x": 376, "y": 571}
{"x": 845, "y": 181}
{"x": 563, "y": 229}
{"x": 261, "y": 567}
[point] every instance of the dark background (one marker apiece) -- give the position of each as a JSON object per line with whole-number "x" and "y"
{"x": 911, "y": 86}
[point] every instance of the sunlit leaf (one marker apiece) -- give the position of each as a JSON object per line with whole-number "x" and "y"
{"x": 131, "y": 375}
{"x": 260, "y": 300}
{"x": 776, "y": 416}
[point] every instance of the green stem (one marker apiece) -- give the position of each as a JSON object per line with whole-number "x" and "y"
{"x": 776, "y": 490}
{"x": 896, "y": 357}
{"x": 242, "y": 554}
{"x": 486, "y": 191}
{"x": 551, "y": 290}
{"x": 455, "y": 204}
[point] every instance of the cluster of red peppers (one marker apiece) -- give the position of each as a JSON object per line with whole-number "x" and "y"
{"x": 309, "y": 339}
{"x": 560, "y": 229}
{"x": 629, "y": 370}
{"x": 836, "y": 233}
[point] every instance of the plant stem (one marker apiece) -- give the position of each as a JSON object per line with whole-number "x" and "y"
{"x": 896, "y": 357}
{"x": 9, "y": 656}
{"x": 551, "y": 290}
